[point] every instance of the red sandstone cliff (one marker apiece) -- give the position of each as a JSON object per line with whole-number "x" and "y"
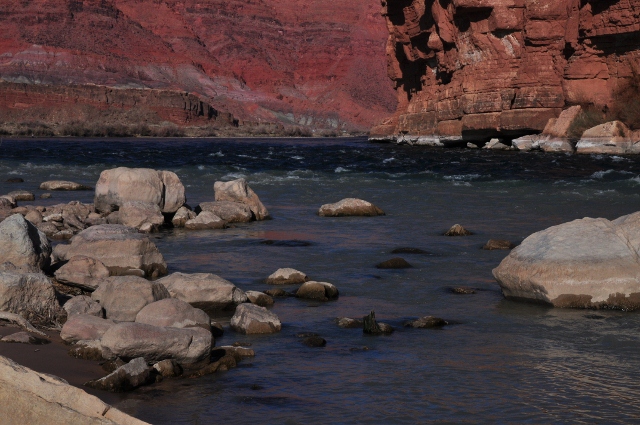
{"x": 475, "y": 69}
{"x": 300, "y": 62}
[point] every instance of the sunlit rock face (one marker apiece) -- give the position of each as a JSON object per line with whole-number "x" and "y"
{"x": 486, "y": 68}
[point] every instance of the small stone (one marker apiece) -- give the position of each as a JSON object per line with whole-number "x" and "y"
{"x": 457, "y": 230}
{"x": 350, "y": 207}
{"x": 463, "y": 290}
{"x": 252, "y": 319}
{"x": 349, "y": 323}
{"x": 63, "y": 185}
{"x": 472, "y": 146}
{"x": 493, "y": 244}
{"x": 168, "y": 368}
{"x": 394, "y": 263}
{"x": 22, "y": 195}
{"x": 45, "y": 196}
{"x": 426, "y": 322}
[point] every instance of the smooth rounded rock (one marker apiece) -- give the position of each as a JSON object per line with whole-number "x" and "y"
{"x": 319, "y": 291}
{"x": 259, "y": 298}
{"x": 22, "y": 195}
{"x": 205, "y": 221}
{"x": 80, "y": 327}
{"x": 350, "y": 207}
{"x": 252, "y": 319}
{"x": 174, "y": 313}
{"x": 82, "y": 272}
{"x": 123, "y": 297}
{"x": 287, "y": 276}
{"x": 203, "y": 290}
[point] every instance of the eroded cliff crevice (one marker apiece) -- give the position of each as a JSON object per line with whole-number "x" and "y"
{"x": 476, "y": 69}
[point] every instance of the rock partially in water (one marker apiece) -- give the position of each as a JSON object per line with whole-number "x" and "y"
{"x": 349, "y": 323}
{"x": 239, "y": 191}
{"x": 203, "y": 290}
{"x": 587, "y": 263}
{"x": 88, "y": 350}
{"x": 277, "y": 293}
{"x": 320, "y": 291}
{"x": 252, "y": 319}
{"x": 259, "y": 298}
{"x": 23, "y": 244}
{"x": 457, "y": 230}
{"x": 63, "y": 185}
{"x": 181, "y": 217}
{"x": 25, "y": 338}
{"x": 426, "y": 322}
{"x": 82, "y": 272}
{"x": 231, "y": 212}
{"x": 409, "y": 250}
{"x": 350, "y": 207}
{"x": 15, "y": 180}
{"x": 122, "y": 297}
{"x": 82, "y": 304}
{"x": 175, "y": 313}
{"x": 168, "y": 368}
{"x": 126, "y": 378}
{"x": 463, "y": 290}
{"x": 22, "y": 195}
{"x": 394, "y": 263}
{"x": 372, "y": 327}
{"x": 494, "y": 244}
{"x": 143, "y": 216}
{"x": 80, "y": 327}
{"x": 206, "y": 220}
{"x": 287, "y": 276}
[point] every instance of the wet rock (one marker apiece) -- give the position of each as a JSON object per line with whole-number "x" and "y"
{"x": 112, "y": 365}
{"x": 349, "y": 323}
{"x": 203, "y": 290}
{"x": 527, "y": 143}
{"x": 217, "y": 330}
{"x": 119, "y": 185}
{"x": 123, "y": 297}
{"x": 394, "y": 263}
{"x": 63, "y": 185}
{"x": 174, "y": 313}
{"x": 168, "y": 368}
{"x": 462, "y": 290}
{"x": 609, "y": 138}
{"x": 130, "y": 340}
{"x": 123, "y": 250}
{"x": 231, "y": 212}
{"x": 224, "y": 363}
{"x": 30, "y": 295}
{"x": 314, "y": 341}
{"x": 320, "y": 291}
{"x": 252, "y": 319}
{"x": 287, "y": 276}
{"x": 143, "y": 216}
{"x": 350, "y": 207}
{"x": 494, "y": 244}
{"x": 15, "y": 180}
{"x": 426, "y": 322}
{"x": 238, "y": 353}
{"x": 25, "y": 338}
{"x": 82, "y": 272}
{"x": 181, "y": 217}
{"x": 409, "y": 251}
{"x": 259, "y": 298}
{"x": 22, "y": 195}
{"x": 23, "y": 244}
{"x": 587, "y": 263}
{"x": 472, "y": 146}
{"x": 239, "y": 191}
{"x": 88, "y": 350}
{"x": 82, "y": 304}
{"x": 80, "y": 327}
{"x": 126, "y": 378}
{"x": 372, "y": 327}
{"x": 204, "y": 221}
{"x": 457, "y": 230}
{"x": 276, "y": 293}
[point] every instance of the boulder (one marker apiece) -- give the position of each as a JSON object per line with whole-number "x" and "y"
{"x": 349, "y": 323}
{"x": 119, "y": 185}
{"x": 320, "y": 291}
{"x": 30, "y": 295}
{"x": 587, "y": 263}
{"x": 350, "y": 207}
{"x": 22, "y": 195}
{"x": 34, "y": 217}
{"x": 123, "y": 250}
{"x": 23, "y": 244}
{"x": 181, "y": 217}
{"x": 457, "y": 230}
{"x": 394, "y": 263}
{"x": 426, "y": 322}
{"x": 154, "y": 343}
{"x": 125, "y": 378}
{"x": 239, "y": 191}
{"x": 79, "y": 327}
{"x": 496, "y": 145}
{"x": 527, "y": 143}
{"x": 122, "y": 297}
{"x": 287, "y": 276}
{"x": 82, "y": 272}
{"x": 63, "y": 185}
{"x": 252, "y": 319}
{"x": 168, "y": 368}
{"x": 203, "y": 290}
{"x": 608, "y": 138}
{"x": 29, "y": 397}
{"x": 82, "y": 304}
{"x": 24, "y": 338}
{"x": 259, "y": 298}
{"x": 144, "y": 216}
{"x": 204, "y": 221}
{"x": 231, "y": 212}
{"x": 493, "y": 244}
{"x": 174, "y": 313}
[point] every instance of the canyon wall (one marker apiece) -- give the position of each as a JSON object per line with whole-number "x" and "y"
{"x": 476, "y": 69}
{"x": 294, "y": 62}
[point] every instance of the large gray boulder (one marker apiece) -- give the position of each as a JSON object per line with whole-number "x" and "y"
{"x": 81, "y": 327}
{"x": 252, "y": 319}
{"x": 239, "y": 191}
{"x": 131, "y": 340}
{"x": 119, "y": 185}
{"x": 30, "y": 295}
{"x": 123, "y": 250}
{"x": 173, "y": 313}
{"x": 350, "y": 207}
{"x": 203, "y": 290}
{"x": 23, "y": 244}
{"x": 144, "y": 216}
{"x": 584, "y": 263}
{"x": 122, "y": 297}
{"x": 82, "y": 272}
{"x": 29, "y": 397}
{"x": 231, "y": 212}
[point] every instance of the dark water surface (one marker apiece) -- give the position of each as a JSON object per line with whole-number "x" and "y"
{"x": 500, "y": 362}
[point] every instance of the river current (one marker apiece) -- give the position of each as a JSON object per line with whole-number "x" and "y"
{"x": 497, "y": 361}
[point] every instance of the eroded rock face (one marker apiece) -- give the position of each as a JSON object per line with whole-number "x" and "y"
{"x": 203, "y": 290}
{"x": 476, "y": 69}
{"x": 585, "y": 263}
{"x": 240, "y": 192}
{"x": 23, "y": 244}
{"x": 120, "y": 185}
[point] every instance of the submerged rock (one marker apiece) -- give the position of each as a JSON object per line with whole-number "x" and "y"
{"x": 350, "y": 207}
{"x": 394, "y": 263}
{"x": 409, "y": 250}
{"x": 462, "y": 290}
{"x": 349, "y": 323}
{"x": 314, "y": 341}
{"x": 426, "y": 322}
{"x": 457, "y": 230}
{"x": 493, "y": 244}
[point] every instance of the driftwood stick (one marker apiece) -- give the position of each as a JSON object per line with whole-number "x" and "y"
{"x": 20, "y": 321}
